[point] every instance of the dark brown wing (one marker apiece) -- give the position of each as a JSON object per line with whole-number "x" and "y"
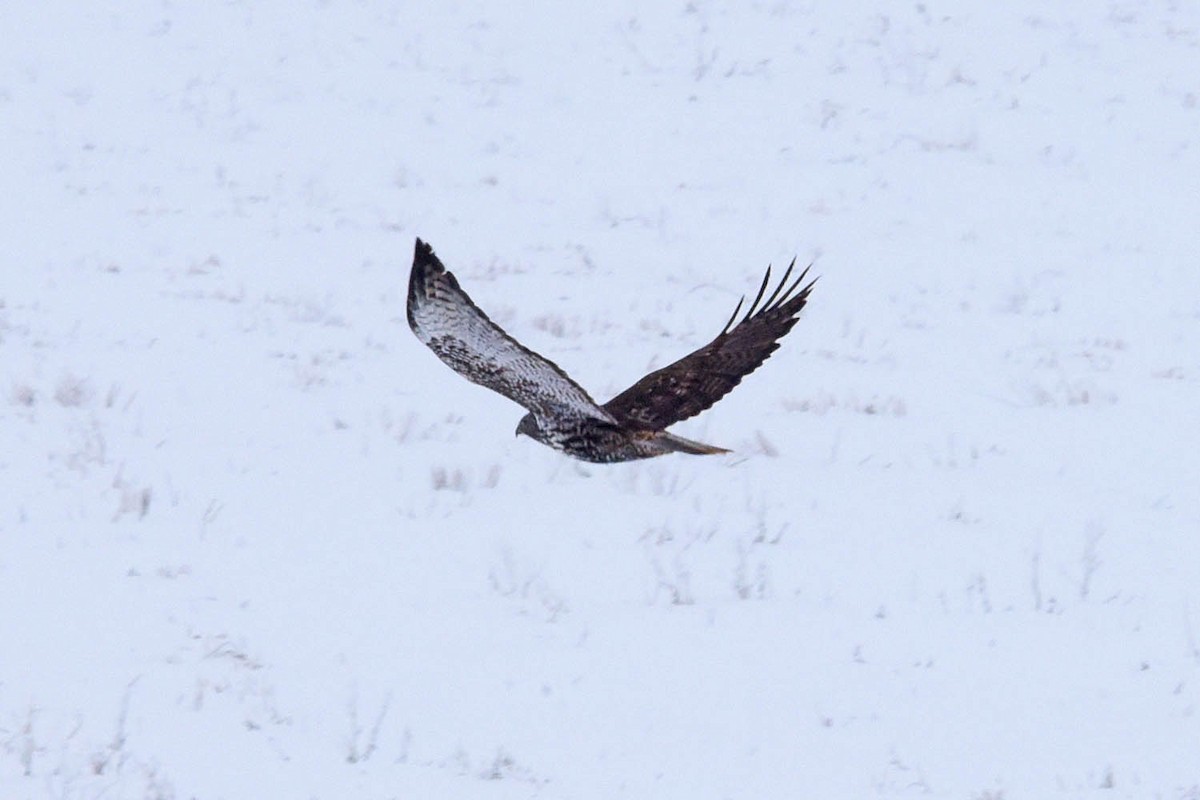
{"x": 695, "y": 382}
{"x": 460, "y": 334}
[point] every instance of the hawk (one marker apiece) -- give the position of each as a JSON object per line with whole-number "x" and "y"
{"x": 561, "y": 414}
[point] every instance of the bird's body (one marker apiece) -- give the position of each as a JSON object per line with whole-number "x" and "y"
{"x": 561, "y": 414}
{"x": 590, "y": 439}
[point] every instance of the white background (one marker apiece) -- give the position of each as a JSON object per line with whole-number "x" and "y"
{"x": 257, "y": 542}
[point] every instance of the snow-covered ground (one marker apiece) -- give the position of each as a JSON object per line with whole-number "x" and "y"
{"x": 257, "y": 542}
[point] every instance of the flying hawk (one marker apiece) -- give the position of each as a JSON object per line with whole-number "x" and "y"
{"x": 561, "y": 414}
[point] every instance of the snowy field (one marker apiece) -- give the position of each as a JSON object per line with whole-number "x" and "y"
{"x": 257, "y": 542}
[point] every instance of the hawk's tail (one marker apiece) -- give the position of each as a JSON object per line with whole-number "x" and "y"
{"x": 678, "y": 444}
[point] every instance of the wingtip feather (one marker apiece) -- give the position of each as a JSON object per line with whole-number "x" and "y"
{"x": 761, "y": 291}
{"x": 423, "y": 255}
{"x": 425, "y": 269}
{"x": 733, "y": 316}
{"x": 782, "y": 282}
{"x": 790, "y": 294}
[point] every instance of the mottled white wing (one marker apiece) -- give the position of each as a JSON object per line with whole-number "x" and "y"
{"x": 444, "y": 318}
